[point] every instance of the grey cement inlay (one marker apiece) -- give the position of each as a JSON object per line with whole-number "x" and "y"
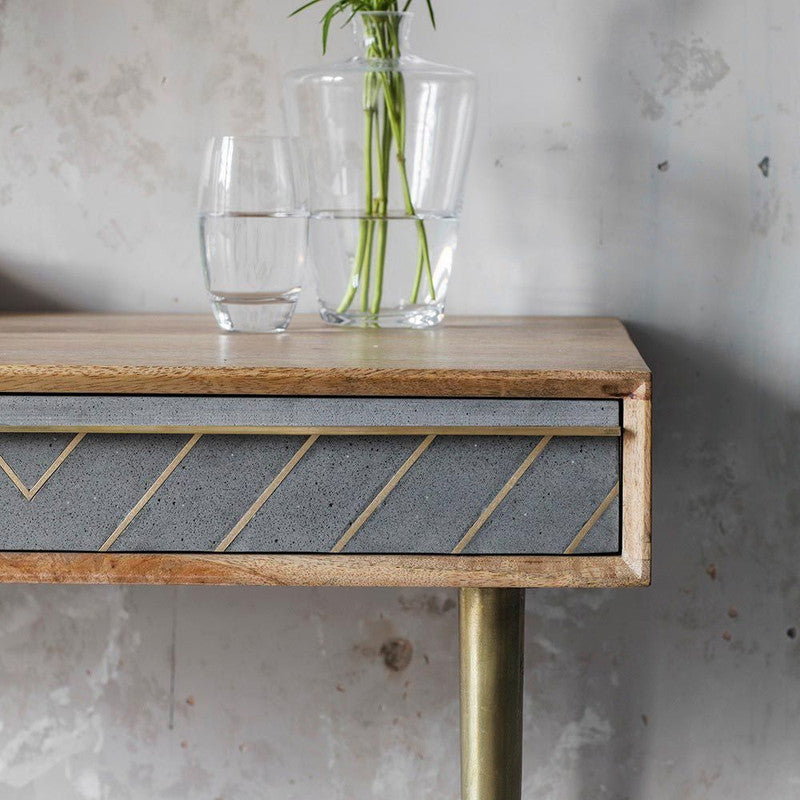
{"x": 107, "y": 410}
{"x": 545, "y": 510}
{"x": 427, "y": 512}
{"x": 442, "y": 494}
{"x": 325, "y": 493}
{"x": 83, "y": 502}
{"x": 604, "y": 537}
{"x": 208, "y": 493}
{"x": 31, "y": 454}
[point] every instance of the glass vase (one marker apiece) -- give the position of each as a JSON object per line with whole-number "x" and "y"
{"x": 385, "y": 138}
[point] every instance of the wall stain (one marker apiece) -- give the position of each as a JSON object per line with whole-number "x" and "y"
{"x": 435, "y": 604}
{"x": 397, "y": 654}
{"x": 688, "y": 70}
{"x": 767, "y": 215}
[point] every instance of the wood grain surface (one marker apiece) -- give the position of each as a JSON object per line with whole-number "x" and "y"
{"x": 636, "y": 482}
{"x": 467, "y": 357}
{"x": 187, "y": 354}
{"x": 318, "y": 570}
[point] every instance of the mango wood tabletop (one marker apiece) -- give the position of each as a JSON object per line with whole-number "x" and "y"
{"x": 489, "y": 454}
{"x": 188, "y": 354}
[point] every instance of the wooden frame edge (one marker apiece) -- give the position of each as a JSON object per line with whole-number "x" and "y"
{"x": 630, "y": 568}
{"x": 317, "y": 570}
{"x": 591, "y": 384}
{"x": 637, "y": 482}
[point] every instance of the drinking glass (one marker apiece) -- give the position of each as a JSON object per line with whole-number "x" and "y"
{"x": 253, "y": 231}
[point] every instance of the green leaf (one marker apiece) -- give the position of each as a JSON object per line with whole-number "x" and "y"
{"x": 326, "y": 26}
{"x": 430, "y": 11}
{"x": 304, "y": 7}
{"x": 354, "y": 7}
{"x": 336, "y": 9}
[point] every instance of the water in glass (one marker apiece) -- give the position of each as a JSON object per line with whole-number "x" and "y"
{"x": 253, "y": 232}
{"x": 245, "y": 255}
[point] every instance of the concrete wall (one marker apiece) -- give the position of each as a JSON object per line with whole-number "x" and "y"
{"x": 690, "y": 689}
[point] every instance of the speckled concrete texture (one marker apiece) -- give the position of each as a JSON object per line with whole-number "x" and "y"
{"x": 67, "y": 410}
{"x": 442, "y": 495}
{"x": 604, "y": 536}
{"x": 553, "y": 499}
{"x": 31, "y": 456}
{"x": 208, "y": 493}
{"x": 222, "y": 475}
{"x": 93, "y": 489}
{"x": 615, "y": 171}
{"x": 325, "y": 492}
{"x": 457, "y": 477}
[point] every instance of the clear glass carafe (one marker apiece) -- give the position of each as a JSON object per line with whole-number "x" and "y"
{"x": 385, "y": 138}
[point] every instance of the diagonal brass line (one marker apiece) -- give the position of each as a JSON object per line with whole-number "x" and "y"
{"x": 145, "y": 498}
{"x": 589, "y": 524}
{"x": 266, "y": 494}
{"x": 55, "y": 465}
{"x": 382, "y": 494}
{"x": 501, "y": 495}
{"x": 46, "y": 475}
{"x": 23, "y": 490}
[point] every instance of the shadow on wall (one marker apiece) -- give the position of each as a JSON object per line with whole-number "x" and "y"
{"x": 19, "y": 296}
{"x": 615, "y": 679}
{"x": 710, "y": 644}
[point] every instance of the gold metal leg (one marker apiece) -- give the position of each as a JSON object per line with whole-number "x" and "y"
{"x": 491, "y": 629}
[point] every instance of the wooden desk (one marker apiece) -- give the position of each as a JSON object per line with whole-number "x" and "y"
{"x": 490, "y": 454}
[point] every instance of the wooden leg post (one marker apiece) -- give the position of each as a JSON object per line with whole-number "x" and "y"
{"x": 491, "y": 630}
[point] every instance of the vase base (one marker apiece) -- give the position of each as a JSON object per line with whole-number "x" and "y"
{"x": 417, "y": 316}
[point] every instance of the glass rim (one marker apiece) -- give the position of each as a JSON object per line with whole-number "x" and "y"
{"x": 227, "y": 154}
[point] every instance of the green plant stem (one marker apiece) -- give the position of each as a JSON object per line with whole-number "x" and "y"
{"x": 398, "y": 131}
{"x": 418, "y": 273}
{"x": 364, "y": 272}
{"x": 384, "y": 150}
{"x": 384, "y": 129}
{"x": 359, "y": 275}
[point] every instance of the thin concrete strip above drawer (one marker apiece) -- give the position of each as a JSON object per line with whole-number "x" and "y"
{"x": 160, "y": 413}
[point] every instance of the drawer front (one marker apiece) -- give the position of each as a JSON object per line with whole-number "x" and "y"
{"x": 309, "y": 475}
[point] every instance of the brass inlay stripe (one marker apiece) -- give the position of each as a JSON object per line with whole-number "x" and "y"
{"x": 28, "y": 494}
{"x": 338, "y": 430}
{"x": 501, "y": 495}
{"x": 265, "y": 495}
{"x": 382, "y": 494}
{"x": 55, "y": 465}
{"x": 23, "y": 489}
{"x": 589, "y": 524}
{"x": 145, "y": 498}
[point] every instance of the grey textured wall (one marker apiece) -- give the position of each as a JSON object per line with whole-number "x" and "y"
{"x": 690, "y": 689}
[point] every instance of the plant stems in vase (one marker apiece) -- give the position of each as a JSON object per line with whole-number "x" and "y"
{"x": 387, "y": 194}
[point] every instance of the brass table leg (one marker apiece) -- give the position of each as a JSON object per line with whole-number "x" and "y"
{"x": 491, "y": 630}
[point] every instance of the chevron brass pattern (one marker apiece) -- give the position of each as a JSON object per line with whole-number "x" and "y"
{"x": 501, "y": 495}
{"x": 265, "y": 495}
{"x": 361, "y": 520}
{"x": 382, "y": 494}
{"x": 145, "y": 498}
{"x": 29, "y": 494}
{"x": 590, "y": 523}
